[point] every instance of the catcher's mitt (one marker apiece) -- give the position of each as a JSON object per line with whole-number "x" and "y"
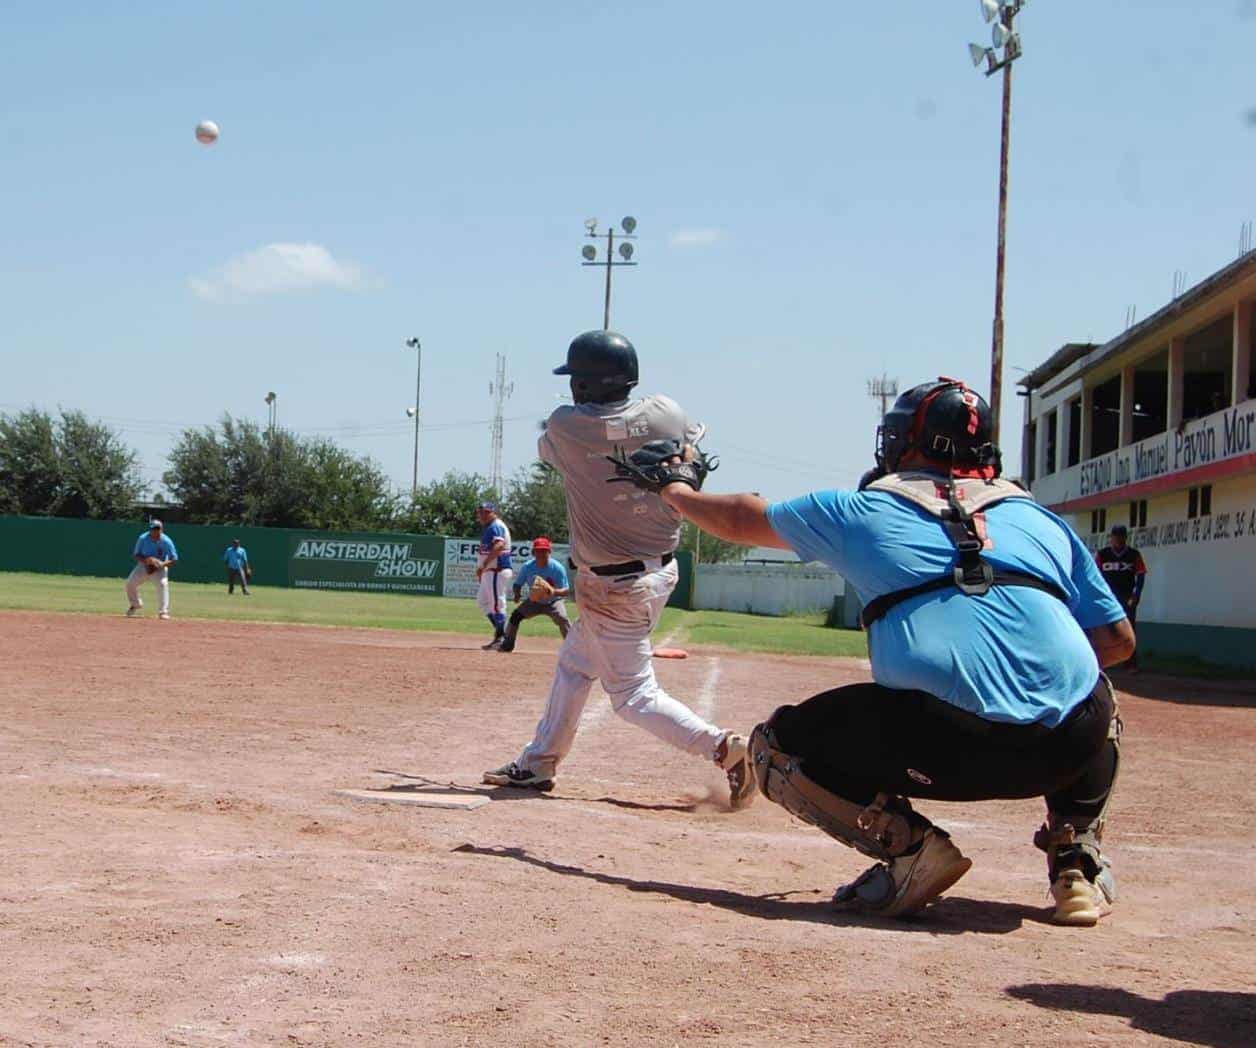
{"x": 651, "y": 467}
{"x": 152, "y": 564}
{"x": 541, "y": 589}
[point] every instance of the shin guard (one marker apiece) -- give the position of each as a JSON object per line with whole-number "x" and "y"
{"x": 883, "y": 830}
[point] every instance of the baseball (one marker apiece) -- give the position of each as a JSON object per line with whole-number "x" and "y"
{"x": 207, "y": 132}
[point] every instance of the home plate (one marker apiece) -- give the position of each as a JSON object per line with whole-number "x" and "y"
{"x": 423, "y": 798}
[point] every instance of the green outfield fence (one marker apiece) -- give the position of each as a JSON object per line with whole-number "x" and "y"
{"x": 393, "y": 562}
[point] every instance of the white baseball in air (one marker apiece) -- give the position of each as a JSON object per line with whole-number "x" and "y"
{"x": 207, "y": 132}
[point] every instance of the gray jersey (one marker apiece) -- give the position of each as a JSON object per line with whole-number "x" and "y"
{"x": 613, "y": 523}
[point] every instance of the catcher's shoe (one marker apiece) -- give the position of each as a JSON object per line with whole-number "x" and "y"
{"x": 513, "y": 775}
{"x": 909, "y": 883}
{"x": 733, "y": 757}
{"x": 1079, "y": 902}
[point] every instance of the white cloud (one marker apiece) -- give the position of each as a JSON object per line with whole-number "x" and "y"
{"x": 275, "y": 269}
{"x": 695, "y": 237}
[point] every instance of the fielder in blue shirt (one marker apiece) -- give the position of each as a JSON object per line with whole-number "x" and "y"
{"x": 988, "y": 625}
{"x": 546, "y": 599}
{"x": 236, "y": 557}
{"x": 153, "y": 554}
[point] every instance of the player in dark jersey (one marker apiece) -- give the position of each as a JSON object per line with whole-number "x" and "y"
{"x": 1124, "y": 570}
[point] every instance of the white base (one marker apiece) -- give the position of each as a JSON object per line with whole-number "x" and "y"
{"x": 422, "y": 798}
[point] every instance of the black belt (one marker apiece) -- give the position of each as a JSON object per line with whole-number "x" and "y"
{"x": 628, "y": 567}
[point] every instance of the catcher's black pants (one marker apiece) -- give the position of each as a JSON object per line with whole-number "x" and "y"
{"x": 866, "y": 739}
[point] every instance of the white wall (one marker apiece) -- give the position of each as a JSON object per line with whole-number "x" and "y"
{"x": 1202, "y": 571}
{"x": 765, "y": 589}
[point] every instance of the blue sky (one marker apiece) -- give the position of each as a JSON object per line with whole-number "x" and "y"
{"x": 814, "y": 183}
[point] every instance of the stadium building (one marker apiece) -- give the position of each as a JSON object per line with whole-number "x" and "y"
{"x": 1156, "y": 429}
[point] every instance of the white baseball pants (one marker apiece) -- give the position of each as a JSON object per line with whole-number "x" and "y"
{"x": 494, "y": 590}
{"x": 159, "y": 578}
{"x": 610, "y": 642}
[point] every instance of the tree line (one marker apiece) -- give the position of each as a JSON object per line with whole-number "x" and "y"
{"x": 239, "y": 473}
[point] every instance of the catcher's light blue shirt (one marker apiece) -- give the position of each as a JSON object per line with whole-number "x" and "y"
{"x": 493, "y": 532}
{"x": 236, "y": 557}
{"x": 553, "y": 573}
{"x": 163, "y": 548}
{"x": 1014, "y": 655}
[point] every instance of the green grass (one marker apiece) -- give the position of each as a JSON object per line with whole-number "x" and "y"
{"x": 22, "y": 591}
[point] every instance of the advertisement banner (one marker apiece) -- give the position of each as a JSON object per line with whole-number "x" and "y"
{"x": 375, "y": 563}
{"x": 462, "y": 555}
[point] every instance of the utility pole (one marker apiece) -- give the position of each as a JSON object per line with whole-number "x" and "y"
{"x": 883, "y": 389}
{"x": 1003, "y": 13}
{"x": 589, "y": 254}
{"x": 500, "y": 391}
{"x": 413, "y": 343}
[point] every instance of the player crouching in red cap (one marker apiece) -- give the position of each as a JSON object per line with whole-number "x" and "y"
{"x": 548, "y": 584}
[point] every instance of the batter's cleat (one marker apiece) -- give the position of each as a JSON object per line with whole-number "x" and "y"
{"x": 132, "y": 611}
{"x": 733, "y": 756}
{"x": 513, "y": 775}
{"x": 493, "y": 645}
{"x": 907, "y": 884}
{"x": 1079, "y": 903}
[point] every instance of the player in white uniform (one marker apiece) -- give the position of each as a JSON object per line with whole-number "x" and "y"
{"x": 622, "y": 542}
{"x": 153, "y": 554}
{"x": 494, "y": 570}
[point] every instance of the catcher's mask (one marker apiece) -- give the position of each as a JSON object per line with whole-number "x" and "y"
{"x": 946, "y": 423}
{"x": 602, "y": 366}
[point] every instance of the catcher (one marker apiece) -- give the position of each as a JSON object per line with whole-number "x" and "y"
{"x": 988, "y": 625}
{"x": 548, "y": 585}
{"x": 153, "y": 554}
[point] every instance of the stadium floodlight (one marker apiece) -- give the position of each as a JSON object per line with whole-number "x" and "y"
{"x": 989, "y": 10}
{"x": 270, "y": 398}
{"x": 977, "y": 53}
{"x": 1000, "y": 34}
{"x": 629, "y": 224}
{"x": 589, "y": 252}
{"x": 410, "y": 412}
{"x": 625, "y": 251}
{"x": 591, "y": 225}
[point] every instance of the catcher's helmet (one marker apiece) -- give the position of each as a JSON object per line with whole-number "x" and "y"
{"x": 945, "y": 422}
{"x": 599, "y": 361}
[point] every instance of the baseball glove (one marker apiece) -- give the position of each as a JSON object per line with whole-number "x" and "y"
{"x": 152, "y": 564}
{"x": 541, "y": 589}
{"x": 651, "y": 467}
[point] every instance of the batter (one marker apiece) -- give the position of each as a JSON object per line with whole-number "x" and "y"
{"x": 623, "y": 543}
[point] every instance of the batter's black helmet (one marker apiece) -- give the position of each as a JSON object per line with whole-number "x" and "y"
{"x": 600, "y": 361}
{"x": 945, "y": 422}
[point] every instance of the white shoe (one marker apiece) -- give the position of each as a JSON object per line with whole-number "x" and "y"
{"x": 742, "y": 785}
{"x": 164, "y": 615}
{"x": 909, "y": 883}
{"x": 1078, "y": 902}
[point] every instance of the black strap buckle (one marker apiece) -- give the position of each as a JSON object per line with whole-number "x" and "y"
{"x": 973, "y": 575}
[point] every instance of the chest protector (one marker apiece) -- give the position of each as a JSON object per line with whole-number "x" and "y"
{"x": 955, "y": 503}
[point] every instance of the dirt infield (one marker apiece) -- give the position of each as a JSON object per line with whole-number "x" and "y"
{"x": 178, "y": 870}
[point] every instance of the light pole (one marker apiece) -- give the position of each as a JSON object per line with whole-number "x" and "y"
{"x": 272, "y": 416}
{"x": 628, "y": 224}
{"x": 1004, "y": 38}
{"x": 413, "y": 343}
